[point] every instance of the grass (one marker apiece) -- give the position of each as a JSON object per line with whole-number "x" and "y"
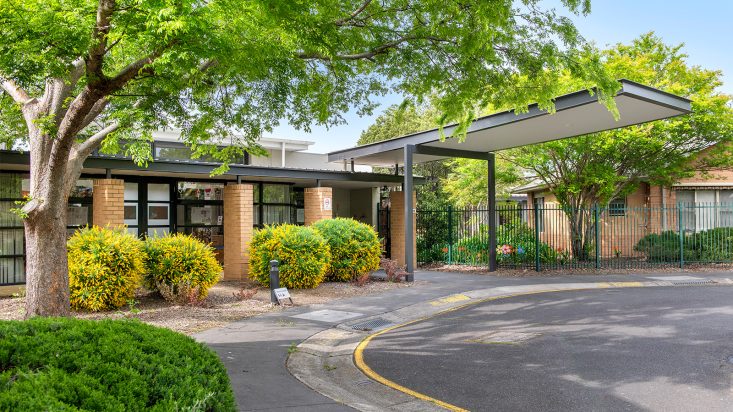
{"x": 74, "y": 364}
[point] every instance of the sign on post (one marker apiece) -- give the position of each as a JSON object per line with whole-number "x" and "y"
{"x": 282, "y": 296}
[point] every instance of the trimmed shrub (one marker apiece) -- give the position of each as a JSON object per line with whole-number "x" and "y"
{"x": 661, "y": 247}
{"x": 74, "y": 364}
{"x": 709, "y": 246}
{"x": 105, "y": 267}
{"x": 355, "y": 248}
{"x": 302, "y": 252}
{"x": 181, "y": 267}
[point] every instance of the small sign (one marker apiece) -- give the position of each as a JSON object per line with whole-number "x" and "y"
{"x": 220, "y": 220}
{"x": 282, "y": 295}
{"x": 326, "y": 203}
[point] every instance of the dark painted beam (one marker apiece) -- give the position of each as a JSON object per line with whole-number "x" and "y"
{"x": 439, "y": 151}
{"x": 493, "y": 218}
{"x": 205, "y": 168}
{"x": 409, "y": 227}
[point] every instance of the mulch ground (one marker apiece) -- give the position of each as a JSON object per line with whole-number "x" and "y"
{"x": 220, "y": 307}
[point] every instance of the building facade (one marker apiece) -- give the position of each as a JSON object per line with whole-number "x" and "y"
{"x": 176, "y": 193}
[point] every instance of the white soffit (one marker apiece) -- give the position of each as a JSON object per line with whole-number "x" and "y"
{"x": 576, "y": 114}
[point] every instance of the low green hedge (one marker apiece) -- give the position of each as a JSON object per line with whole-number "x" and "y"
{"x": 121, "y": 365}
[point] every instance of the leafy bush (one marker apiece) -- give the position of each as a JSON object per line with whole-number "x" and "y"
{"x": 303, "y": 255}
{"x": 105, "y": 267}
{"x": 74, "y": 364}
{"x": 181, "y": 267}
{"x": 355, "y": 248}
{"x": 516, "y": 245}
{"x": 660, "y": 247}
{"x": 714, "y": 245}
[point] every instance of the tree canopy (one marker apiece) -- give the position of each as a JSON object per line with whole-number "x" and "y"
{"x": 78, "y": 75}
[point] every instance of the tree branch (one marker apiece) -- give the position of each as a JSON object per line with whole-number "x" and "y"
{"x": 381, "y": 49}
{"x": 87, "y": 147}
{"x": 341, "y": 22}
{"x": 95, "y": 59}
{"x": 15, "y": 91}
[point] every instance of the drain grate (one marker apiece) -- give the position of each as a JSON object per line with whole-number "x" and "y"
{"x": 371, "y": 324}
{"x": 693, "y": 282}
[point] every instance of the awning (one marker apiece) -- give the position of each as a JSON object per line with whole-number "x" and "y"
{"x": 576, "y": 114}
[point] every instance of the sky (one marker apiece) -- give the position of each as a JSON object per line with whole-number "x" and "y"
{"x": 705, "y": 27}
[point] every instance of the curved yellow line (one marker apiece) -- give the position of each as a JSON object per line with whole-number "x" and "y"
{"x": 365, "y": 369}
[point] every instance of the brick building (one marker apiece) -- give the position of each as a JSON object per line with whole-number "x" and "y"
{"x": 176, "y": 194}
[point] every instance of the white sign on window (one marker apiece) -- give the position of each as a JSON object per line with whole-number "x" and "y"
{"x": 326, "y": 203}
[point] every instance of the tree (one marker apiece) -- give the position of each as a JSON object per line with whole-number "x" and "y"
{"x": 596, "y": 168}
{"x": 401, "y": 120}
{"x": 467, "y": 182}
{"x": 78, "y": 75}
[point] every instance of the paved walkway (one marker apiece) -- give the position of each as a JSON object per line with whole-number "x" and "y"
{"x": 255, "y": 350}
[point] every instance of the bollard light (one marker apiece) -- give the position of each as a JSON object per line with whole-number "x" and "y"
{"x": 274, "y": 280}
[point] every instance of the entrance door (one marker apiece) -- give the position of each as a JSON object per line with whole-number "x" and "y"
{"x": 383, "y": 228}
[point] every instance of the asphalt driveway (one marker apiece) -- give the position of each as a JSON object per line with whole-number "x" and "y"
{"x": 665, "y": 349}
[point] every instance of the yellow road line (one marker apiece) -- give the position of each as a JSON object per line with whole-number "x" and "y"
{"x": 359, "y": 351}
{"x": 450, "y": 299}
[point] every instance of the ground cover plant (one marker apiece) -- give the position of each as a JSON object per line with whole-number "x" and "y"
{"x": 355, "y": 248}
{"x": 73, "y": 364}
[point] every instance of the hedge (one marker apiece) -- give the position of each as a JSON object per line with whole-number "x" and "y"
{"x": 105, "y": 268}
{"x": 74, "y": 364}
{"x": 355, "y": 248}
{"x": 303, "y": 255}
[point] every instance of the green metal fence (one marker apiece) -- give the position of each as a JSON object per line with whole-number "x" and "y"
{"x": 597, "y": 237}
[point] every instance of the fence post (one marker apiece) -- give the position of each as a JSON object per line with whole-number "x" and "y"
{"x": 598, "y": 238}
{"x": 536, "y": 237}
{"x": 681, "y": 229}
{"x": 450, "y": 234}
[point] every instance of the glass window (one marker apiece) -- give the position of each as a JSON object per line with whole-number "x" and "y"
{"x": 82, "y": 189}
{"x": 685, "y": 196}
{"x": 726, "y": 208}
{"x": 159, "y": 192}
{"x": 200, "y": 191}
{"x": 274, "y": 193}
{"x": 157, "y": 231}
{"x": 617, "y": 207}
{"x": 274, "y": 215}
{"x": 131, "y": 191}
{"x": 178, "y": 151}
{"x": 78, "y": 214}
{"x": 207, "y": 215}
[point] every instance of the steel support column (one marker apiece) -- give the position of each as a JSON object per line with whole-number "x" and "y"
{"x": 492, "y": 211}
{"x": 409, "y": 227}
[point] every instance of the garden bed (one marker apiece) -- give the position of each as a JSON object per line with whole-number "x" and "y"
{"x": 524, "y": 272}
{"x": 218, "y": 309}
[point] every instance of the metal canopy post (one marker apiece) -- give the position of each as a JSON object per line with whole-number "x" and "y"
{"x": 492, "y": 211}
{"x": 409, "y": 227}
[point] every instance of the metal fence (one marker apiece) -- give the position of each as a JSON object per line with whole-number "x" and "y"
{"x": 597, "y": 237}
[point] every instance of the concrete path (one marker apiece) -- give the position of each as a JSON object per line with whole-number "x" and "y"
{"x": 255, "y": 350}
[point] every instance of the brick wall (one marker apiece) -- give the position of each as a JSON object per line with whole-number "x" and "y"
{"x": 108, "y": 202}
{"x": 238, "y": 222}
{"x": 318, "y": 204}
{"x": 397, "y": 227}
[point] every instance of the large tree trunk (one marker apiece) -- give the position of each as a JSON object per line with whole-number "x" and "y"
{"x": 47, "y": 277}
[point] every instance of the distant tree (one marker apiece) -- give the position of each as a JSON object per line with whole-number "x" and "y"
{"x": 596, "y": 168}
{"x": 79, "y": 75}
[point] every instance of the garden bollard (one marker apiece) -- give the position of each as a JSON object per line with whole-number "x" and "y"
{"x": 274, "y": 280}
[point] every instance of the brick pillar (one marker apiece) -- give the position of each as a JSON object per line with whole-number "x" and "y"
{"x": 318, "y": 204}
{"x": 238, "y": 227}
{"x": 397, "y": 227}
{"x": 108, "y": 202}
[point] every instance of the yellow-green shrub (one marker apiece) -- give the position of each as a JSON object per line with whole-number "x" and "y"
{"x": 105, "y": 267}
{"x": 355, "y": 248}
{"x": 181, "y": 267}
{"x": 302, "y": 253}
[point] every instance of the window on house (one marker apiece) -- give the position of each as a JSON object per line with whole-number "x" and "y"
{"x": 617, "y": 207}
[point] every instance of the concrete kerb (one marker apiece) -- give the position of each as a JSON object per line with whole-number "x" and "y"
{"x": 330, "y": 362}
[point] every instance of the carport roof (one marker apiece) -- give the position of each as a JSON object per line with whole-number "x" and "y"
{"x": 575, "y": 114}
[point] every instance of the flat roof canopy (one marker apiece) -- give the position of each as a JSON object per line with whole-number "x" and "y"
{"x": 576, "y": 114}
